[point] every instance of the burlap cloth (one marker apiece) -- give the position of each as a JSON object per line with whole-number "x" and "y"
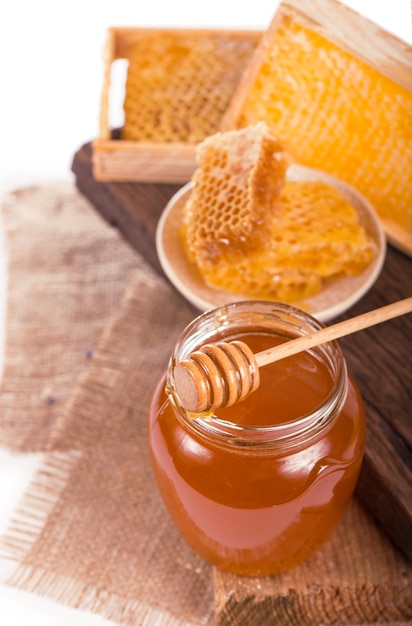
{"x": 66, "y": 274}
{"x": 88, "y": 333}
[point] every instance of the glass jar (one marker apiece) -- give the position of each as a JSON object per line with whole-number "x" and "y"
{"x": 257, "y": 487}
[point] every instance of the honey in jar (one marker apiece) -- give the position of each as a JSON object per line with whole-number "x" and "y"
{"x": 257, "y": 487}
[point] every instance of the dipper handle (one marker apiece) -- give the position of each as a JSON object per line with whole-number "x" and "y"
{"x": 220, "y": 374}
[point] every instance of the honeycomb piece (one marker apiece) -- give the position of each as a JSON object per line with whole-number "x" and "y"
{"x": 333, "y": 112}
{"x": 239, "y": 177}
{"x": 314, "y": 238}
{"x": 179, "y": 85}
{"x": 250, "y": 232}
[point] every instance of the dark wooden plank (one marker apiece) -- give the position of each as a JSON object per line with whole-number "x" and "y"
{"x": 379, "y": 359}
{"x": 355, "y": 578}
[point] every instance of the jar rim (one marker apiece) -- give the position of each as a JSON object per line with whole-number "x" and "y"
{"x": 263, "y": 314}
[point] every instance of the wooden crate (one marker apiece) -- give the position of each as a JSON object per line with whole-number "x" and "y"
{"x": 115, "y": 159}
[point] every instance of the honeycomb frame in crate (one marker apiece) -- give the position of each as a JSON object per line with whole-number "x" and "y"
{"x": 154, "y": 160}
{"x": 337, "y": 88}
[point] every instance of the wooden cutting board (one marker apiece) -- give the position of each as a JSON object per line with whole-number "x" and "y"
{"x": 367, "y": 579}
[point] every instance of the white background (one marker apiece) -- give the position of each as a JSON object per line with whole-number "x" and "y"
{"x": 51, "y": 70}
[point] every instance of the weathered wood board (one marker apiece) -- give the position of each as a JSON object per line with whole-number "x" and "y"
{"x": 360, "y": 562}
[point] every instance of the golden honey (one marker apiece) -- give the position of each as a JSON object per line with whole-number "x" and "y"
{"x": 256, "y": 488}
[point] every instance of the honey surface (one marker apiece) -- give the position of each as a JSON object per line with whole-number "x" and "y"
{"x": 288, "y": 389}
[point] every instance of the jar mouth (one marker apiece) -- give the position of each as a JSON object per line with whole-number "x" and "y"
{"x": 221, "y": 324}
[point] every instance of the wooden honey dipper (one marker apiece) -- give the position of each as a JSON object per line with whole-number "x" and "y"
{"x": 220, "y": 374}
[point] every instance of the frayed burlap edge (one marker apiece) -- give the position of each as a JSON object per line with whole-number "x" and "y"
{"x": 48, "y": 482}
{"x": 25, "y": 529}
{"x": 46, "y": 493}
{"x": 76, "y": 595}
